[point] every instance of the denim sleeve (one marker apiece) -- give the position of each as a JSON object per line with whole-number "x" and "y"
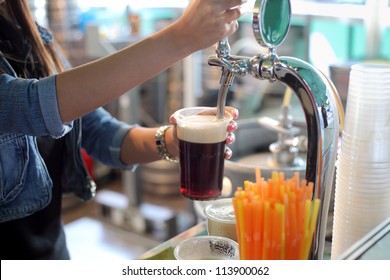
{"x": 29, "y": 106}
{"x": 103, "y": 136}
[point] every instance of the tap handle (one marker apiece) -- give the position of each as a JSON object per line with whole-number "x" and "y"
{"x": 223, "y": 48}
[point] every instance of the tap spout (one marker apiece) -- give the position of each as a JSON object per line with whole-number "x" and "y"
{"x": 226, "y": 81}
{"x": 230, "y": 67}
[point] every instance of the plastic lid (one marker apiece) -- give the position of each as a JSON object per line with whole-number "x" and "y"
{"x": 221, "y": 210}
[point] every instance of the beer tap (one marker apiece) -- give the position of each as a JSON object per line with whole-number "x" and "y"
{"x": 223, "y": 60}
{"x": 317, "y": 96}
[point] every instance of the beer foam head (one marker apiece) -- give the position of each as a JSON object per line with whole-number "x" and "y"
{"x": 202, "y": 129}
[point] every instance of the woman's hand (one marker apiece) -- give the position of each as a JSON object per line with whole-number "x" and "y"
{"x": 208, "y": 21}
{"x": 173, "y": 143}
{"x": 231, "y": 128}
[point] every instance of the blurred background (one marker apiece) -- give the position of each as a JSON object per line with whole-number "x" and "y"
{"x": 135, "y": 211}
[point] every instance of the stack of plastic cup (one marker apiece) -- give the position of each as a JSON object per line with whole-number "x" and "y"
{"x": 362, "y": 193}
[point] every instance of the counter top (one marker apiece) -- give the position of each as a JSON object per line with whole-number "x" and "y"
{"x": 164, "y": 251}
{"x": 374, "y": 246}
{"x": 89, "y": 238}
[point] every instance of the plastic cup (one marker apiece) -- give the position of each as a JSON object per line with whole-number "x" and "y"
{"x": 345, "y": 159}
{"x": 357, "y": 162}
{"x": 202, "y": 147}
{"x": 221, "y": 220}
{"x": 360, "y": 84}
{"x": 350, "y": 177}
{"x": 368, "y": 202}
{"x": 372, "y": 139}
{"x": 358, "y": 222}
{"x": 368, "y": 106}
{"x": 362, "y": 193}
{"x": 358, "y": 219}
{"x": 354, "y": 141}
{"x": 363, "y": 168}
{"x": 373, "y": 69}
{"x": 366, "y": 156}
{"x": 365, "y": 184}
{"x": 359, "y": 91}
{"x": 364, "y": 119}
{"x": 353, "y": 230}
{"x": 369, "y": 111}
{"x": 207, "y": 248}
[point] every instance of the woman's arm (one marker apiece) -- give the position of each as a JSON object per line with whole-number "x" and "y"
{"x": 87, "y": 87}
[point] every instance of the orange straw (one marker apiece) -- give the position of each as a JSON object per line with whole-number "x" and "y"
{"x": 258, "y": 175}
{"x": 266, "y": 231}
{"x": 248, "y": 229}
{"x": 239, "y": 213}
{"x": 258, "y": 225}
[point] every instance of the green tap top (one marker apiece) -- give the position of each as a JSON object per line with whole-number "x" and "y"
{"x": 271, "y": 21}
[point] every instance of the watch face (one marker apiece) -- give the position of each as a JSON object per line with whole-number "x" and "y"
{"x": 271, "y": 21}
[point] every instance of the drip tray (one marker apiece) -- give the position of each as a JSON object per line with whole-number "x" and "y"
{"x": 265, "y": 162}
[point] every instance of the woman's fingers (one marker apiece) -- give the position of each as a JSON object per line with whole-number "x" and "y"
{"x": 228, "y": 153}
{"x": 233, "y": 111}
{"x": 230, "y": 138}
{"x": 232, "y": 126}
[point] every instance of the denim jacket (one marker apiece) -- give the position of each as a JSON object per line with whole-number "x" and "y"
{"x": 28, "y": 109}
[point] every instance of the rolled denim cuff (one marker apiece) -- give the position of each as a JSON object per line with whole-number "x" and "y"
{"x": 47, "y": 90}
{"x": 115, "y": 148}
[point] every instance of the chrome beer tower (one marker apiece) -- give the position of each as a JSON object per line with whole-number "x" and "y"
{"x": 317, "y": 95}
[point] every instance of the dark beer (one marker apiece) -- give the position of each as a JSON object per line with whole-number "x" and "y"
{"x": 202, "y": 139}
{"x": 201, "y": 169}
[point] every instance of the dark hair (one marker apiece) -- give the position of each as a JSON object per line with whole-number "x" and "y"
{"x": 43, "y": 55}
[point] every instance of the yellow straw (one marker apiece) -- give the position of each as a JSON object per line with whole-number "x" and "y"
{"x": 312, "y": 225}
{"x": 314, "y": 216}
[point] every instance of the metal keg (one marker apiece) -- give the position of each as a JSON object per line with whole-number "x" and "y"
{"x": 160, "y": 178}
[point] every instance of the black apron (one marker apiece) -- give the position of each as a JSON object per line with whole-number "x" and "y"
{"x": 40, "y": 235}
